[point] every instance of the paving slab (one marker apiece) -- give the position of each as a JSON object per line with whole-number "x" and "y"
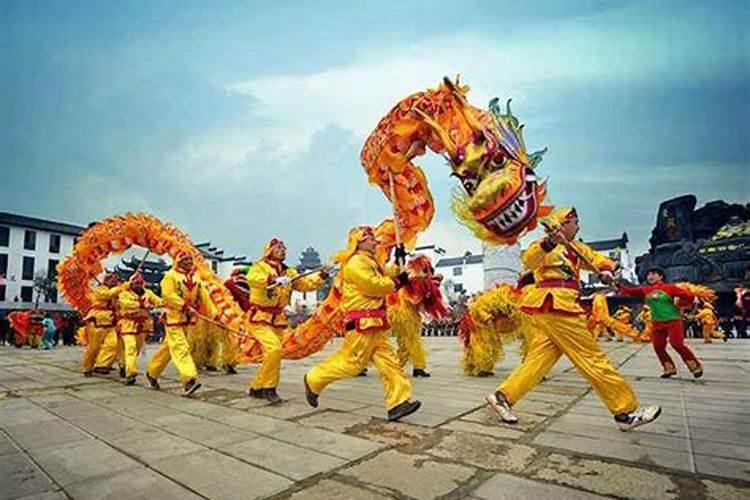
{"x": 68, "y": 464}
{"x": 606, "y": 478}
{"x": 507, "y": 487}
{"x": 20, "y": 477}
{"x": 219, "y": 476}
{"x": 484, "y": 452}
{"x": 285, "y": 459}
{"x": 335, "y": 490}
{"x": 416, "y": 476}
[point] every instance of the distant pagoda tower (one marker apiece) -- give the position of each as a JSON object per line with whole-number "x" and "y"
{"x": 310, "y": 259}
{"x": 153, "y": 270}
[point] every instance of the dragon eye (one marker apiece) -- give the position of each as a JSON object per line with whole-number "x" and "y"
{"x": 469, "y": 183}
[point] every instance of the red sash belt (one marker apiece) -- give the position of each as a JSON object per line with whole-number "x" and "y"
{"x": 97, "y": 325}
{"x": 352, "y": 319}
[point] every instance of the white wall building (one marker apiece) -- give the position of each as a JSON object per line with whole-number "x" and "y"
{"x": 465, "y": 273}
{"x": 29, "y": 246}
{"x": 502, "y": 264}
{"x": 617, "y": 250}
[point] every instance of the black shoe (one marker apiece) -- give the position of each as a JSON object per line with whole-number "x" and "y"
{"x": 256, "y": 393}
{"x": 312, "y": 398}
{"x": 152, "y": 382}
{"x": 130, "y": 380}
{"x": 210, "y": 368}
{"x": 667, "y": 375}
{"x": 485, "y": 374}
{"x": 102, "y": 370}
{"x": 272, "y": 396}
{"x": 418, "y": 372}
{"x": 88, "y": 374}
{"x": 698, "y": 373}
{"x": 400, "y": 411}
{"x": 230, "y": 370}
{"x": 122, "y": 372}
{"x": 363, "y": 373}
{"x": 191, "y": 386}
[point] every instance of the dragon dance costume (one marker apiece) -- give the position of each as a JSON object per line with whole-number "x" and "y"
{"x": 271, "y": 283}
{"x": 364, "y": 285}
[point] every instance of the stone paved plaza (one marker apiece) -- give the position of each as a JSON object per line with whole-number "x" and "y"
{"x": 63, "y": 436}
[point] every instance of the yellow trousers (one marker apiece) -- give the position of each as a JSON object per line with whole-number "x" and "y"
{"x": 551, "y": 336}
{"x": 270, "y": 370}
{"x": 132, "y": 346}
{"x": 175, "y": 348}
{"x": 230, "y": 350}
{"x": 95, "y": 337}
{"x": 358, "y": 350}
{"x": 159, "y": 360}
{"x": 111, "y": 350}
{"x": 411, "y": 348}
{"x": 408, "y": 329}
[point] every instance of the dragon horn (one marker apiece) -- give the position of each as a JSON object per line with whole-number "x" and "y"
{"x": 445, "y": 138}
{"x": 471, "y": 120}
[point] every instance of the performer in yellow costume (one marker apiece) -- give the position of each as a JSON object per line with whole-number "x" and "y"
{"x": 624, "y": 315}
{"x": 271, "y": 283}
{"x": 134, "y": 322}
{"x": 598, "y": 318}
{"x": 100, "y": 319}
{"x": 648, "y": 325}
{"x": 364, "y": 285}
{"x": 184, "y": 296}
{"x": 558, "y": 326}
{"x": 707, "y": 318}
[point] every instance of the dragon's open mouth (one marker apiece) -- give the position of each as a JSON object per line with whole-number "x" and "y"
{"x": 514, "y": 215}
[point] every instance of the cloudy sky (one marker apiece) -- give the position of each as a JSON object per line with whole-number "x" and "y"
{"x": 241, "y": 120}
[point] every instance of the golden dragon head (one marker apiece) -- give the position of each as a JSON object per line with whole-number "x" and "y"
{"x": 502, "y": 196}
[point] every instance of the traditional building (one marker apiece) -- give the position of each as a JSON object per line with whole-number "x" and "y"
{"x": 31, "y": 247}
{"x": 617, "y": 250}
{"x": 464, "y": 275}
{"x": 309, "y": 260}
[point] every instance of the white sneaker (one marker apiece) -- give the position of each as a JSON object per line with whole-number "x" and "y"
{"x": 642, "y": 416}
{"x": 501, "y": 407}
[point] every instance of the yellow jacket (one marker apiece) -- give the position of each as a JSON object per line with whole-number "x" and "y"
{"x": 177, "y": 291}
{"x": 133, "y": 311}
{"x": 104, "y": 302}
{"x": 365, "y": 285}
{"x": 553, "y": 268}
{"x": 267, "y": 304}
